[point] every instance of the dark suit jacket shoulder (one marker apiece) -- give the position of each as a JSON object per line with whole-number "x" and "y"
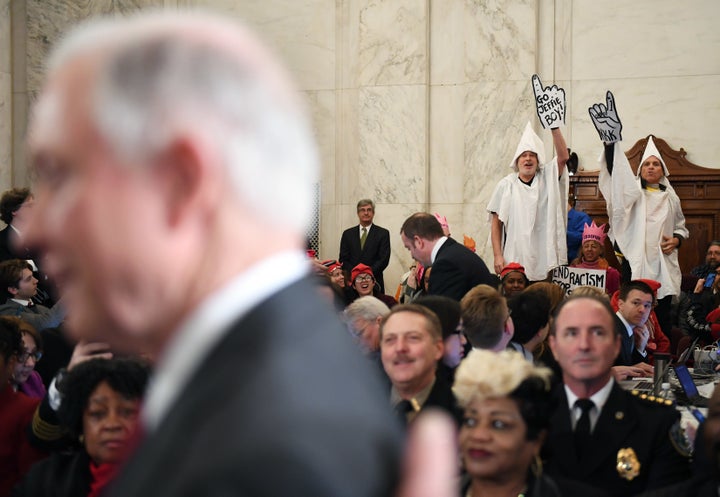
{"x": 285, "y": 404}
{"x": 626, "y": 422}
{"x": 456, "y": 270}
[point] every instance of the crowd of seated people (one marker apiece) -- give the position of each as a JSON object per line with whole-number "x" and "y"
{"x": 502, "y": 346}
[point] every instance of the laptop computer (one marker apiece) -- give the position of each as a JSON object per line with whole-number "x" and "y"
{"x": 648, "y": 385}
{"x": 689, "y": 393}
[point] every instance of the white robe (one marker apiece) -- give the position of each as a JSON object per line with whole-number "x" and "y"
{"x": 639, "y": 219}
{"x": 534, "y": 219}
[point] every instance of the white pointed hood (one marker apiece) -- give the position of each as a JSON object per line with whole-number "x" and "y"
{"x": 532, "y": 142}
{"x": 651, "y": 149}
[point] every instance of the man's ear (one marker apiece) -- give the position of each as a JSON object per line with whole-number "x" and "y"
{"x": 183, "y": 172}
{"x": 13, "y": 290}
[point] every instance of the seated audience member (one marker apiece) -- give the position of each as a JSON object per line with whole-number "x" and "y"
{"x": 591, "y": 256}
{"x": 553, "y": 291}
{"x": 712, "y": 261}
{"x": 531, "y": 316}
{"x": 100, "y": 407}
{"x": 599, "y": 433}
{"x": 334, "y": 295}
{"x": 19, "y": 285}
{"x": 13, "y": 204}
{"x": 701, "y": 318}
{"x": 448, "y": 312}
{"x": 363, "y": 318}
{"x": 411, "y": 346}
{"x": 16, "y": 412}
{"x": 513, "y": 279}
{"x": 25, "y": 379}
{"x": 643, "y": 329}
{"x": 507, "y": 405}
{"x": 362, "y": 283}
{"x": 411, "y": 284}
{"x": 334, "y": 270}
{"x": 486, "y": 319}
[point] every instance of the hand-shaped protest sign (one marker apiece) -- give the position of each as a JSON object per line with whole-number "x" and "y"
{"x": 550, "y": 102}
{"x": 606, "y": 121}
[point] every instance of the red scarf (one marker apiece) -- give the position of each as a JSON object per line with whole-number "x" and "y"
{"x": 101, "y": 476}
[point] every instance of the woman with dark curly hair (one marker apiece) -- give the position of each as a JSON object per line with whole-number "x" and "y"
{"x": 507, "y": 405}
{"x": 100, "y": 407}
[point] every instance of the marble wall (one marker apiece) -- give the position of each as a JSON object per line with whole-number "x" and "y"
{"x": 419, "y": 104}
{"x": 5, "y": 93}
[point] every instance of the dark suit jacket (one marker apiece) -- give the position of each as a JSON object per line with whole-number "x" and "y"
{"x": 456, "y": 270}
{"x": 285, "y": 404}
{"x": 628, "y": 354}
{"x": 626, "y": 421}
{"x": 375, "y": 253}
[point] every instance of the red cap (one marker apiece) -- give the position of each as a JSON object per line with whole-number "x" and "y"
{"x": 360, "y": 269}
{"x": 513, "y": 266}
{"x": 331, "y": 264}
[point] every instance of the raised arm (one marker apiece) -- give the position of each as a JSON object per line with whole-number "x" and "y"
{"x": 561, "y": 151}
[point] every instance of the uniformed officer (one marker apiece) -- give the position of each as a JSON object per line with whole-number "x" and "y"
{"x": 601, "y": 434}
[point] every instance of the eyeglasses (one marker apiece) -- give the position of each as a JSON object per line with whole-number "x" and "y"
{"x": 363, "y": 278}
{"x": 27, "y": 355}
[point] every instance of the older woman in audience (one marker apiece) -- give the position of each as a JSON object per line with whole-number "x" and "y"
{"x": 25, "y": 379}
{"x": 591, "y": 256}
{"x": 363, "y": 283}
{"x": 507, "y": 406}
{"x": 100, "y": 406}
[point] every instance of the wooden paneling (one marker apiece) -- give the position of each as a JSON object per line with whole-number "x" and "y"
{"x": 698, "y": 188}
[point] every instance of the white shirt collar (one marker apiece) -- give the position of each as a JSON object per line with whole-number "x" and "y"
{"x": 209, "y": 322}
{"x": 367, "y": 228}
{"x": 21, "y": 302}
{"x": 436, "y": 248}
{"x": 599, "y": 398}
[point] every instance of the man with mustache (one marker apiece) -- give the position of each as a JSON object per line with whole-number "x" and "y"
{"x": 411, "y": 345}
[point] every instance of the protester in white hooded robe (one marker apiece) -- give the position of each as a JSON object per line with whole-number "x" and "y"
{"x": 528, "y": 209}
{"x": 646, "y": 220}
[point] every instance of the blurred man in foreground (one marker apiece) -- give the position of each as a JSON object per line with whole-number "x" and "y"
{"x": 174, "y": 167}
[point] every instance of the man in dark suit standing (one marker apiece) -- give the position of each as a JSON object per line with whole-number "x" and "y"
{"x": 180, "y": 232}
{"x": 455, "y": 268}
{"x": 600, "y": 434}
{"x": 366, "y": 243}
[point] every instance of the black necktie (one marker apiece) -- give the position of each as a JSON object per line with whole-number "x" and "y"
{"x": 401, "y": 409}
{"x": 582, "y": 429}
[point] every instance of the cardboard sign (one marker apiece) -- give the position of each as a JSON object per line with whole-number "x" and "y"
{"x": 606, "y": 120}
{"x": 572, "y": 277}
{"x": 550, "y": 104}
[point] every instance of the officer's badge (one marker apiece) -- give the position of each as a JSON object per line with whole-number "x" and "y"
{"x": 628, "y": 466}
